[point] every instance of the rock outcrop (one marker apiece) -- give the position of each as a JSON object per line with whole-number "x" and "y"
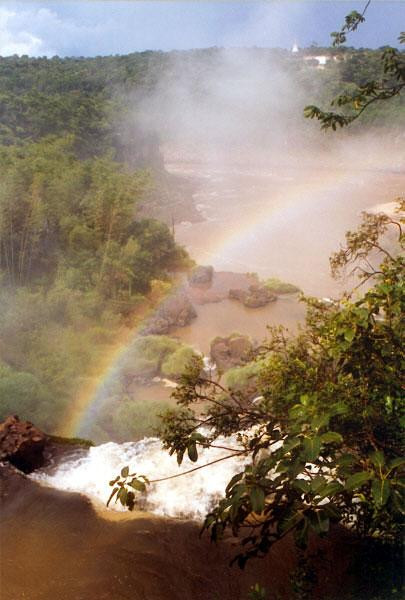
{"x": 232, "y": 351}
{"x": 201, "y": 275}
{"x": 22, "y": 444}
{"x": 255, "y": 297}
{"x": 176, "y": 311}
{"x": 206, "y": 285}
{"x": 28, "y": 448}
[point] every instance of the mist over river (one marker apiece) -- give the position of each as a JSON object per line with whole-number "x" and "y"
{"x": 280, "y": 222}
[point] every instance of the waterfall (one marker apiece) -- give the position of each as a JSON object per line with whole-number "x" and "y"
{"x": 191, "y": 496}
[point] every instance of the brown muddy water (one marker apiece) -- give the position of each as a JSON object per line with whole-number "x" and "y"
{"x": 276, "y": 222}
{"x": 280, "y": 222}
{"x": 229, "y": 316}
{"x": 55, "y": 546}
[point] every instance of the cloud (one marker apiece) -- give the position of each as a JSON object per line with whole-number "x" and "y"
{"x": 101, "y": 28}
{"x": 15, "y": 39}
{"x": 38, "y": 31}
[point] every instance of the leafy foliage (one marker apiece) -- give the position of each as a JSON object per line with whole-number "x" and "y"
{"x": 121, "y": 485}
{"x": 360, "y": 97}
{"x": 76, "y": 266}
{"x": 281, "y": 287}
{"x": 352, "y": 21}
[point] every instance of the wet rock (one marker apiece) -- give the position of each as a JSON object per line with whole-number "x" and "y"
{"x": 22, "y": 444}
{"x": 201, "y": 275}
{"x": 27, "y": 448}
{"x": 218, "y": 288}
{"x": 176, "y": 311}
{"x": 238, "y": 294}
{"x": 255, "y": 297}
{"x": 232, "y": 351}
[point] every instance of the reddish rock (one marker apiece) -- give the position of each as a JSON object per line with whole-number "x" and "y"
{"x": 232, "y": 351}
{"x": 255, "y": 297}
{"x": 201, "y": 275}
{"x": 176, "y": 311}
{"x": 217, "y": 288}
{"x": 22, "y": 444}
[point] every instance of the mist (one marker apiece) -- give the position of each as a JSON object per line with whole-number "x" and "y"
{"x": 245, "y": 105}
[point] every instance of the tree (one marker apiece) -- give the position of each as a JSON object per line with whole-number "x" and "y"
{"x": 359, "y": 98}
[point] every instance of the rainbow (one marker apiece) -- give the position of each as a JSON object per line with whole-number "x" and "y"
{"x": 285, "y": 205}
{"x": 92, "y": 387}
{"x": 91, "y": 391}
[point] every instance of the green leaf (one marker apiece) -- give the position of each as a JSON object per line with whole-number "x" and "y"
{"x": 332, "y": 488}
{"x": 192, "y": 452}
{"x": 398, "y": 501}
{"x": 297, "y": 411}
{"x": 320, "y": 421}
{"x": 397, "y": 462}
{"x": 311, "y": 448}
{"x": 125, "y": 472}
{"x": 304, "y": 399}
{"x": 331, "y": 437}
{"x": 122, "y": 496}
{"x": 237, "y": 492}
{"x": 380, "y": 490}
{"x": 198, "y": 437}
{"x": 377, "y": 458}
{"x": 234, "y": 480}
{"x": 257, "y": 498}
{"x": 357, "y": 480}
{"x": 318, "y": 520}
{"x": 317, "y": 484}
{"x": 115, "y": 490}
{"x": 290, "y": 522}
{"x": 179, "y": 457}
{"x": 290, "y": 444}
{"x": 139, "y": 486}
{"x": 349, "y": 334}
{"x": 302, "y": 485}
{"x": 346, "y": 460}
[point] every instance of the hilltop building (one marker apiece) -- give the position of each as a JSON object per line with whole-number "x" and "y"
{"x": 315, "y": 57}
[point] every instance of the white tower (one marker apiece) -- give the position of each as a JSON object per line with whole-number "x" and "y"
{"x": 295, "y": 48}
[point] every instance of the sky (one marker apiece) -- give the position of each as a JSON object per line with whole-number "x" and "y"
{"x": 94, "y": 27}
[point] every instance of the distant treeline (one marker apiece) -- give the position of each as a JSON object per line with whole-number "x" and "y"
{"x": 90, "y": 98}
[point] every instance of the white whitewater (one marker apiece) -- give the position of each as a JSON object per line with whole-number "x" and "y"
{"x": 190, "y": 496}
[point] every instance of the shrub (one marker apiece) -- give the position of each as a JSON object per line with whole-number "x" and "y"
{"x": 175, "y": 365}
{"x": 280, "y": 287}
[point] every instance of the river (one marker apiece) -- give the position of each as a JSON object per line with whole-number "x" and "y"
{"x": 280, "y": 222}
{"x": 276, "y": 222}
